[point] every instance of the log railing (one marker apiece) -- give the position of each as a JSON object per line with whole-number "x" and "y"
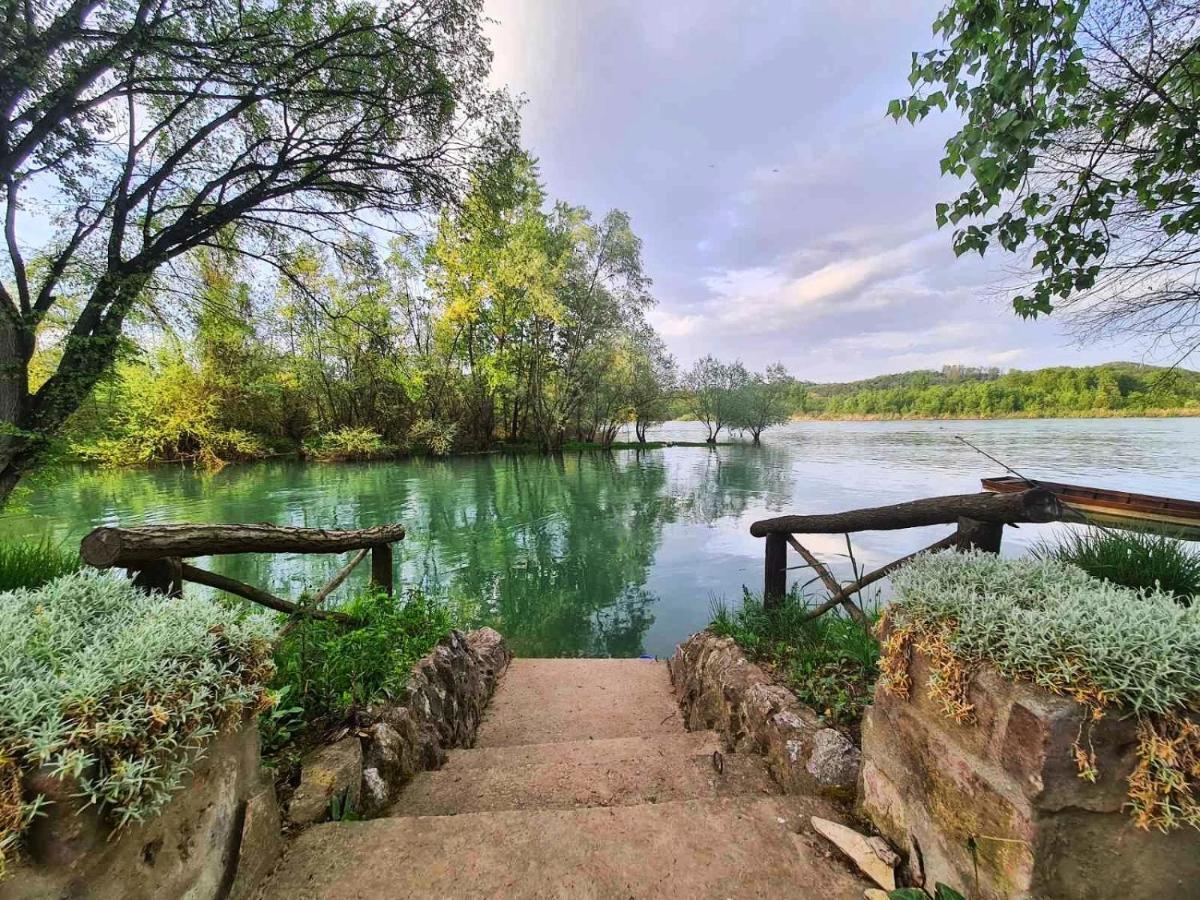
{"x": 979, "y": 521}
{"x": 154, "y": 556}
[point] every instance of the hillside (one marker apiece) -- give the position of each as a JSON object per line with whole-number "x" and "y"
{"x": 1119, "y": 388}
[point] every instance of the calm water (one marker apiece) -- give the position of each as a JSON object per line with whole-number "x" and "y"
{"x": 617, "y": 554}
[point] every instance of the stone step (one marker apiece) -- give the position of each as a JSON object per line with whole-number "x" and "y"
{"x": 713, "y": 848}
{"x": 544, "y": 701}
{"x": 607, "y": 772}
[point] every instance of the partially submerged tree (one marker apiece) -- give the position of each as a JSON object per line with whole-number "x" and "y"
{"x": 715, "y": 390}
{"x": 654, "y": 381}
{"x": 1080, "y": 147}
{"x": 149, "y": 128}
{"x": 764, "y": 401}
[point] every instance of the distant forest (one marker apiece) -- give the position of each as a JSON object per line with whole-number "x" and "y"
{"x": 1119, "y": 388}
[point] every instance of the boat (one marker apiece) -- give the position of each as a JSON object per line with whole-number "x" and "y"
{"x": 1103, "y": 506}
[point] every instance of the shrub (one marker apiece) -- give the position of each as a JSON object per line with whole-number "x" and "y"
{"x": 831, "y": 663}
{"x": 326, "y": 669}
{"x": 349, "y": 445}
{"x": 1133, "y": 559}
{"x": 117, "y": 689}
{"x": 30, "y": 564}
{"x": 1114, "y": 649}
{"x": 432, "y": 436}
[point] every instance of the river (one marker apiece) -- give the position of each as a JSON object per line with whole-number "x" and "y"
{"x": 617, "y": 554}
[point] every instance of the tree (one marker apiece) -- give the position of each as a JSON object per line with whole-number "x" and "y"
{"x": 715, "y": 393}
{"x": 654, "y": 380}
{"x": 1081, "y": 147}
{"x": 154, "y": 126}
{"x": 764, "y": 401}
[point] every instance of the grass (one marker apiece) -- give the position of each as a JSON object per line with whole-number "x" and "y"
{"x": 31, "y": 564}
{"x": 831, "y": 663}
{"x": 326, "y": 672}
{"x": 1139, "y": 560}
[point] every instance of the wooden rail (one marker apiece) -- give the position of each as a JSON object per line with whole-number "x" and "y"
{"x": 154, "y": 556}
{"x": 980, "y": 521}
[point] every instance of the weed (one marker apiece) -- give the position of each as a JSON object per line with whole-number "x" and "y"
{"x": 1135, "y": 559}
{"x": 830, "y": 663}
{"x": 31, "y": 564}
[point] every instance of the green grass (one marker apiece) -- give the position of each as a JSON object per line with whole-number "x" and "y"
{"x": 31, "y": 564}
{"x": 831, "y": 663}
{"x": 1139, "y": 560}
{"x": 326, "y": 671}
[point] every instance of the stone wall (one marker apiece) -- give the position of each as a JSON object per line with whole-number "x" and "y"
{"x": 719, "y": 688}
{"x": 441, "y": 708}
{"x": 1002, "y": 797}
{"x": 215, "y": 838}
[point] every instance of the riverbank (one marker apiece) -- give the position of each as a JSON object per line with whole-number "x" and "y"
{"x": 1185, "y": 413}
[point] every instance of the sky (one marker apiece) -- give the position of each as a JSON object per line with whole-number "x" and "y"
{"x": 783, "y": 216}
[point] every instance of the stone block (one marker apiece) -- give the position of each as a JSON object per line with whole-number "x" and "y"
{"x": 1008, "y": 803}
{"x": 334, "y": 770}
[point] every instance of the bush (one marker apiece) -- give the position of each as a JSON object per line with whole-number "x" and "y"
{"x": 434, "y": 437}
{"x": 349, "y": 445}
{"x": 1114, "y": 649}
{"x": 831, "y": 663}
{"x": 325, "y": 669}
{"x": 1140, "y": 560}
{"x": 117, "y": 689}
{"x": 29, "y": 564}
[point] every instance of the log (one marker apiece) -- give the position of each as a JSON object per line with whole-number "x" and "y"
{"x": 1034, "y": 505}
{"x": 831, "y": 583}
{"x": 159, "y": 577}
{"x": 975, "y": 535}
{"x": 259, "y": 596}
{"x": 133, "y": 547}
{"x": 336, "y": 581}
{"x": 774, "y": 571}
{"x": 883, "y": 571}
{"x": 381, "y": 568}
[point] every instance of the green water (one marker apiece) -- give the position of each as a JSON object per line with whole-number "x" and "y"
{"x": 613, "y": 554}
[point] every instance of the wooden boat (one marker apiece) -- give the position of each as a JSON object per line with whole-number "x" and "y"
{"x": 1101, "y": 506}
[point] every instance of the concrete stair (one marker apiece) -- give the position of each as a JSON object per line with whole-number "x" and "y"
{"x": 583, "y": 783}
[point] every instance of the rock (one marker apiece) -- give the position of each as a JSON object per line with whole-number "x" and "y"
{"x": 442, "y": 707}
{"x": 376, "y": 792}
{"x": 860, "y": 850}
{"x": 334, "y": 770}
{"x": 720, "y": 689}
{"x": 1011, "y": 779}
{"x": 189, "y": 848}
{"x": 874, "y": 894}
{"x": 261, "y": 846}
{"x": 834, "y": 760}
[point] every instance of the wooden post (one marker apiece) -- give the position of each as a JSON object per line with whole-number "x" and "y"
{"x": 381, "y": 567}
{"x": 163, "y": 576}
{"x": 976, "y": 535}
{"x": 775, "y": 570}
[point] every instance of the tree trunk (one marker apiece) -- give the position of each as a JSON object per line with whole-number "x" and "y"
{"x": 15, "y": 352}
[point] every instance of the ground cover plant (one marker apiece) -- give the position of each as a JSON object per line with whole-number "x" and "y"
{"x": 1118, "y": 651}
{"x": 326, "y": 671}
{"x": 118, "y": 690}
{"x": 831, "y": 662}
{"x": 1131, "y": 558}
{"x": 30, "y": 564}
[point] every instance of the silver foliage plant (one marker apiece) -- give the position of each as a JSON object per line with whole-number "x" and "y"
{"x": 1050, "y": 622}
{"x": 120, "y": 690}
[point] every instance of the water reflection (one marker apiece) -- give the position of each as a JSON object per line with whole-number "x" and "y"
{"x": 614, "y": 554}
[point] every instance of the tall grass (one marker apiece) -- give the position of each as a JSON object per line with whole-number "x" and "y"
{"x": 31, "y": 564}
{"x": 1139, "y": 560}
{"x": 831, "y": 663}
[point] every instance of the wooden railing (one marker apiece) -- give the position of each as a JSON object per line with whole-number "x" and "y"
{"x": 979, "y": 521}
{"x": 154, "y": 556}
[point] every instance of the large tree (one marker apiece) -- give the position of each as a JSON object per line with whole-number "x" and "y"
{"x": 145, "y": 129}
{"x": 1080, "y": 146}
